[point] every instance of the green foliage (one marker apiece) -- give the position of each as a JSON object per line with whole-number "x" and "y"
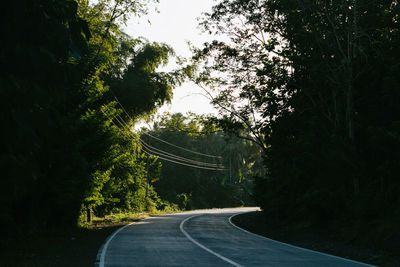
{"x": 192, "y": 188}
{"x": 43, "y": 39}
{"x": 141, "y": 89}
{"x": 67, "y": 147}
{"x": 317, "y": 81}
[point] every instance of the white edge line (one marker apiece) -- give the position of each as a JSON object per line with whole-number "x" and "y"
{"x": 289, "y": 245}
{"x": 202, "y": 246}
{"x": 103, "y": 249}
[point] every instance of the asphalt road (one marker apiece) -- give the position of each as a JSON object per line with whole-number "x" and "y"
{"x": 203, "y": 238}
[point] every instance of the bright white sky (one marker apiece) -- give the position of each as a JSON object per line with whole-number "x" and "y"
{"x": 175, "y": 24}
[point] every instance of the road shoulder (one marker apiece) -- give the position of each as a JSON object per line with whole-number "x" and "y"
{"x": 314, "y": 239}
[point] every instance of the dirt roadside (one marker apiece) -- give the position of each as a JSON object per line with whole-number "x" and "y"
{"x": 68, "y": 247}
{"x": 79, "y": 247}
{"x": 323, "y": 240}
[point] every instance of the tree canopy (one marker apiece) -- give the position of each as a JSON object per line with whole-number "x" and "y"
{"x": 316, "y": 84}
{"x": 217, "y": 171}
{"x": 73, "y": 86}
{"x": 309, "y": 122}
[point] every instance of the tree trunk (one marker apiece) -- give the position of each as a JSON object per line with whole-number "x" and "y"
{"x": 88, "y": 215}
{"x": 350, "y": 110}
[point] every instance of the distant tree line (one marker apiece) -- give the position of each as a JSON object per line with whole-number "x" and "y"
{"x": 217, "y": 172}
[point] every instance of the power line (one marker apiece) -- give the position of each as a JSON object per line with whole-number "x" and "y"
{"x": 127, "y": 114}
{"x": 167, "y": 154}
{"x": 181, "y": 163}
{"x": 156, "y": 150}
{"x": 194, "y": 152}
{"x": 188, "y": 150}
{"x": 150, "y": 152}
{"x": 170, "y": 155}
{"x": 121, "y": 122}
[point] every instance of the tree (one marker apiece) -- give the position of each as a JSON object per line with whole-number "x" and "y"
{"x": 123, "y": 85}
{"x": 43, "y": 39}
{"x": 311, "y": 73}
{"x": 194, "y": 177}
{"x": 61, "y": 148}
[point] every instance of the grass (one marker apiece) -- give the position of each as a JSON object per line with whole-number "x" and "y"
{"x": 117, "y": 218}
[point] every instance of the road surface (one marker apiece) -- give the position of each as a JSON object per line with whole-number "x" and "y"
{"x": 203, "y": 238}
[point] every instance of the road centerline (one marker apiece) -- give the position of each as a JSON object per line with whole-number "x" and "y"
{"x": 201, "y": 245}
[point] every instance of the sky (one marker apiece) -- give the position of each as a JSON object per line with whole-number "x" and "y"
{"x": 175, "y": 24}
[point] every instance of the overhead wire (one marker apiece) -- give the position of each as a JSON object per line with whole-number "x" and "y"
{"x": 149, "y": 150}
{"x": 181, "y": 163}
{"x": 127, "y": 114}
{"x": 173, "y": 156}
{"x": 188, "y": 150}
{"x": 156, "y": 150}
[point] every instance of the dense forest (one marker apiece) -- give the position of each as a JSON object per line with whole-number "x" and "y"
{"x": 308, "y": 129}
{"x": 74, "y": 87}
{"x": 316, "y": 85}
{"x": 205, "y": 180}
{"x": 62, "y": 156}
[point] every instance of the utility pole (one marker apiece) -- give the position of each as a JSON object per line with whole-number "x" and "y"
{"x": 230, "y": 171}
{"x": 147, "y": 178}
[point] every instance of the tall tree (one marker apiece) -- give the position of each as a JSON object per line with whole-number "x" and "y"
{"x": 61, "y": 148}
{"x": 311, "y": 71}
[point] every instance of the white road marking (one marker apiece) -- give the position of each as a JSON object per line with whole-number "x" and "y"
{"x": 100, "y": 259}
{"x": 202, "y": 246}
{"x": 104, "y": 250}
{"x": 292, "y": 246}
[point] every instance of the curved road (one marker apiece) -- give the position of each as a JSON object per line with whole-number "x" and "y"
{"x": 203, "y": 238}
